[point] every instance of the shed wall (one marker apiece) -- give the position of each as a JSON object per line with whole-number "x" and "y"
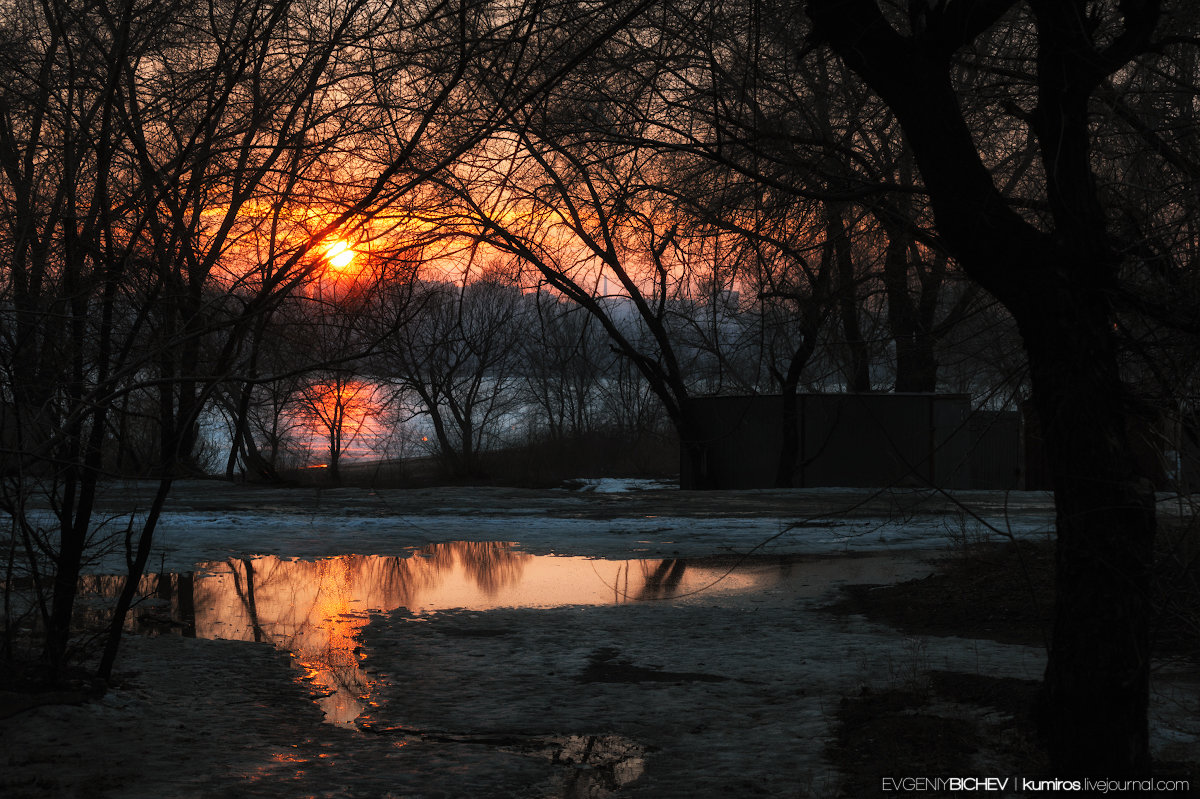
{"x": 854, "y": 440}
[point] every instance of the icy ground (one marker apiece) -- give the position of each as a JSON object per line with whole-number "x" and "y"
{"x": 211, "y": 521}
{"x": 432, "y": 678}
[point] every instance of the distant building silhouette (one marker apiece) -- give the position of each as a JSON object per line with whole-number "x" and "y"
{"x": 856, "y": 440}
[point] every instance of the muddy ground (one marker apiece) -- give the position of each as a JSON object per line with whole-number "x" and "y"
{"x": 816, "y": 685}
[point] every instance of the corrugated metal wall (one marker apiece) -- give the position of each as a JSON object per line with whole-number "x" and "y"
{"x": 996, "y": 449}
{"x": 855, "y": 440}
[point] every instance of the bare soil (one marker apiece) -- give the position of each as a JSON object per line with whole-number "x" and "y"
{"x": 931, "y": 669}
{"x": 949, "y": 723}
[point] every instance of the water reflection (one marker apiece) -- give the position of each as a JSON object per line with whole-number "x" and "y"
{"x": 315, "y": 609}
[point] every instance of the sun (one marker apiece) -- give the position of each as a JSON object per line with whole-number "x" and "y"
{"x": 339, "y": 254}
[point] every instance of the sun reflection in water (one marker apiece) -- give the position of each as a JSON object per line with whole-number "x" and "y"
{"x": 317, "y": 609}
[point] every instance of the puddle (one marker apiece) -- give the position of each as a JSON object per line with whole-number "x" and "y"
{"x": 316, "y": 609}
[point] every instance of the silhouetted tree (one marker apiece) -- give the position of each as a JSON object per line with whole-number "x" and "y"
{"x": 1059, "y": 273}
{"x": 165, "y": 171}
{"x": 459, "y": 356}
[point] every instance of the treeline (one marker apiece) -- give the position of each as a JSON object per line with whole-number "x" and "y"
{"x": 494, "y": 361}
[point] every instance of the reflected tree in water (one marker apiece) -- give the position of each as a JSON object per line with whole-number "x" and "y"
{"x": 490, "y": 564}
{"x": 663, "y": 581}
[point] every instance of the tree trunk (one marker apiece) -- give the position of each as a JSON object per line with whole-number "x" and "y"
{"x": 858, "y": 371}
{"x": 789, "y": 430}
{"x": 241, "y": 431}
{"x": 916, "y": 366}
{"x": 1059, "y": 286}
{"x": 133, "y": 578}
{"x": 1095, "y": 697}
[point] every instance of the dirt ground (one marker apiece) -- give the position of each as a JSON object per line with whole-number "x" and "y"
{"x": 851, "y": 667}
{"x": 587, "y": 499}
{"x": 940, "y": 722}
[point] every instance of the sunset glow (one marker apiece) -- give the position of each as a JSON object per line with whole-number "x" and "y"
{"x": 339, "y": 254}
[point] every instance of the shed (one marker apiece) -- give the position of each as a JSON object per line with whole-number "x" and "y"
{"x": 853, "y": 440}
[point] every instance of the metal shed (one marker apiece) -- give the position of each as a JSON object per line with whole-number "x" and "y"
{"x": 854, "y": 440}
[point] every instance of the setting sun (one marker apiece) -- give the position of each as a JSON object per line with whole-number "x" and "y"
{"x": 339, "y": 254}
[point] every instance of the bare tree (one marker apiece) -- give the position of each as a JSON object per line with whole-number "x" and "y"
{"x": 1058, "y": 274}
{"x": 563, "y": 367}
{"x": 147, "y": 151}
{"x": 459, "y": 356}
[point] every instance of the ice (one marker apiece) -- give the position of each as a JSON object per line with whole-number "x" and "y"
{"x": 213, "y": 521}
{"x": 482, "y": 698}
